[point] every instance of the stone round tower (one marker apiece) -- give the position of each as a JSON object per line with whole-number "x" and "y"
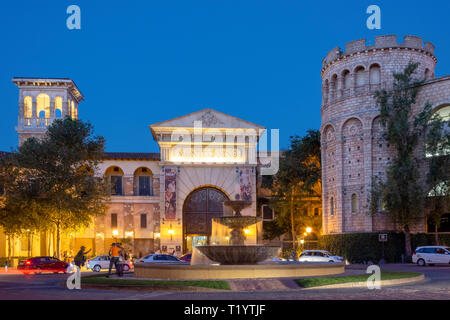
{"x": 352, "y": 149}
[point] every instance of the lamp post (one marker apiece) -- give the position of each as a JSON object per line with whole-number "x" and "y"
{"x": 115, "y": 234}
{"x": 308, "y": 231}
{"x": 29, "y": 243}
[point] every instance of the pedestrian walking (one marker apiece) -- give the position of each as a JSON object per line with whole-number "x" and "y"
{"x": 114, "y": 255}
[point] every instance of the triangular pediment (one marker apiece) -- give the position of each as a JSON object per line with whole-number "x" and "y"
{"x": 210, "y": 119}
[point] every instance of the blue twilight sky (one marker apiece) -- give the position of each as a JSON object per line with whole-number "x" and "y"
{"x": 141, "y": 62}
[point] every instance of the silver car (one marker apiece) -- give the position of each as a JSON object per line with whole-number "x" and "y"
{"x": 102, "y": 262}
{"x": 431, "y": 255}
{"x": 319, "y": 256}
{"x": 160, "y": 258}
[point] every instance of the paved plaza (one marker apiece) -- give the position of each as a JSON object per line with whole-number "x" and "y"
{"x": 49, "y": 287}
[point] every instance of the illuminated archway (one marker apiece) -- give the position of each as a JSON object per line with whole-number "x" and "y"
{"x": 200, "y": 206}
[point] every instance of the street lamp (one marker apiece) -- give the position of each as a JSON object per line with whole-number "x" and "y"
{"x": 308, "y": 231}
{"x": 115, "y": 234}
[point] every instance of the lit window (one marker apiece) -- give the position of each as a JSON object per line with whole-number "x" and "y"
{"x": 43, "y": 105}
{"x": 27, "y": 107}
{"x": 58, "y": 107}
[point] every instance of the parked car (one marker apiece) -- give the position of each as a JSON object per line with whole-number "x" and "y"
{"x": 42, "y": 264}
{"x": 160, "y": 258}
{"x": 319, "y": 256}
{"x": 102, "y": 262}
{"x": 431, "y": 255}
{"x": 186, "y": 257}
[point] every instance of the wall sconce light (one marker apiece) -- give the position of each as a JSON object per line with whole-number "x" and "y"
{"x": 171, "y": 232}
{"x": 157, "y": 235}
{"x": 129, "y": 234}
{"x": 308, "y": 229}
{"x": 115, "y": 233}
{"x": 246, "y": 231}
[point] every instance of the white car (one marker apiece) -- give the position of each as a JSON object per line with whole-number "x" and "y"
{"x": 319, "y": 256}
{"x": 431, "y": 255}
{"x": 160, "y": 258}
{"x": 102, "y": 262}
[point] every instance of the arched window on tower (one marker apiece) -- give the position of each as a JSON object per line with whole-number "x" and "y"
{"x": 43, "y": 108}
{"x": 58, "y": 107}
{"x": 354, "y": 203}
{"x": 333, "y": 87}
{"x": 360, "y": 77}
{"x": 347, "y": 79}
{"x": 27, "y": 109}
{"x": 375, "y": 74}
{"x": 442, "y": 147}
{"x": 427, "y": 74}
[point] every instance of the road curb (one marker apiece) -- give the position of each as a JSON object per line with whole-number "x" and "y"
{"x": 363, "y": 284}
{"x": 150, "y": 288}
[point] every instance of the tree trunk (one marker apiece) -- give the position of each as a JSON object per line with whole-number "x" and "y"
{"x": 292, "y": 220}
{"x": 9, "y": 247}
{"x": 58, "y": 241}
{"x": 407, "y": 241}
{"x": 436, "y": 235}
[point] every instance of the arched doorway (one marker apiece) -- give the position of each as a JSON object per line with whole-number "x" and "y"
{"x": 200, "y": 206}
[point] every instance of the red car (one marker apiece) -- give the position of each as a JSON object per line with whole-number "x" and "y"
{"x": 186, "y": 257}
{"x": 42, "y": 264}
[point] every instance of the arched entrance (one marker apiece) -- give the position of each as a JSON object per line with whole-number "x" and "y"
{"x": 200, "y": 206}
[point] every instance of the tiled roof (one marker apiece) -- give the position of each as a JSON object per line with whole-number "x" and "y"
{"x": 132, "y": 155}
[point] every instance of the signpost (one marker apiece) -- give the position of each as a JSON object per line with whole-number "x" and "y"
{"x": 382, "y": 237}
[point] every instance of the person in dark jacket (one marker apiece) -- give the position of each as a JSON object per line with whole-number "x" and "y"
{"x": 80, "y": 258}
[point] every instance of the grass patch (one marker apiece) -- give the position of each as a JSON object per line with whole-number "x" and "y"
{"x": 101, "y": 279}
{"x": 323, "y": 281}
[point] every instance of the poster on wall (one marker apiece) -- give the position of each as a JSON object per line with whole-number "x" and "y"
{"x": 245, "y": 183}
{"x": 170, "y": 203}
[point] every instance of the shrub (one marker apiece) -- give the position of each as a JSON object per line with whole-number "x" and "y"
{"x": 365, "y": 247}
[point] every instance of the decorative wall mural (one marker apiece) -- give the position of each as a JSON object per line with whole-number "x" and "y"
{"x": 170, "y": 196}
{"x": 245, "y": 183}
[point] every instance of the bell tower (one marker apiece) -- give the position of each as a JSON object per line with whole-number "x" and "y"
{"x": 42, "y": 100}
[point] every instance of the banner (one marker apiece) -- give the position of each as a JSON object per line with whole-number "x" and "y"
{"x": 170, "y": 195}
{"x": 245, "y": 182}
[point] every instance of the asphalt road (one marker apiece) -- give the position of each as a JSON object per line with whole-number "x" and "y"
{"x": 49, "y": 287}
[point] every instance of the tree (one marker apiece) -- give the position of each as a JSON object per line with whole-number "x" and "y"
{"x": 438, "y": 176}
{"x": 295, "y": 184}
{"x": 52, "y": 185}
{"x": 403, "y": 190}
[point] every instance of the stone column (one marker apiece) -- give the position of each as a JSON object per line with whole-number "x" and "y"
{"x": 52, "y": 110}
{"x": 34, "y": 114}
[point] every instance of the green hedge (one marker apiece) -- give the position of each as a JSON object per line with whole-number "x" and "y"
{"x": 365, "y": 247}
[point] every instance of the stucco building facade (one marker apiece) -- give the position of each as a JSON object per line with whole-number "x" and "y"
{"x": 159, "y": 201}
